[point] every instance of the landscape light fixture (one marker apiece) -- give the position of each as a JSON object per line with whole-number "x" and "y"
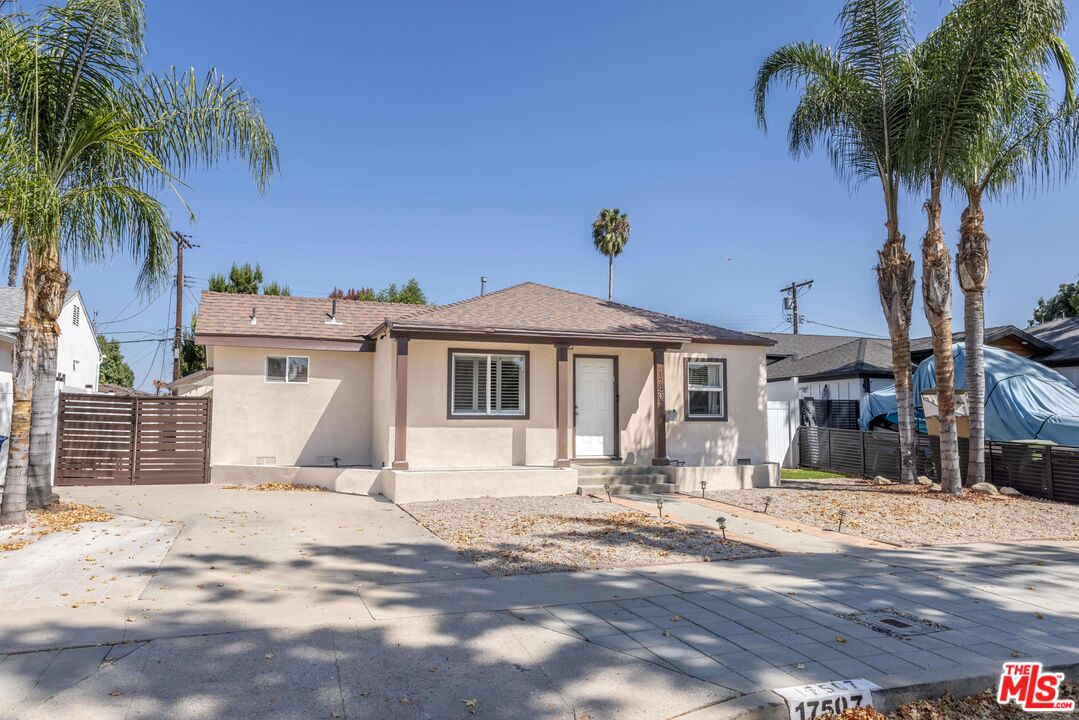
{"x": 767, "y": 502}
{"x": 607, "y": 489}
{"x": 722, "y": 522}
{"x": 842, "y": 517}
{"x": 704, "y": 486}
{"x": 659, "y": 504}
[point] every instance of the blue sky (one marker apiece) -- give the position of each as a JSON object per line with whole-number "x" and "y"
{"x": 449, "y": 140}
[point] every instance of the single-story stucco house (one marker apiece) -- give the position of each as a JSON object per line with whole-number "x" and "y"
{"x": 506, "y": 393}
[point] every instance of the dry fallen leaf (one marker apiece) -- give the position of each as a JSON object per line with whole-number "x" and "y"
{"x": 116, "y": 693}
{"x": 471, "y": 705}
{"x": 840, "y": 639}
{"x": 268, "y": 656}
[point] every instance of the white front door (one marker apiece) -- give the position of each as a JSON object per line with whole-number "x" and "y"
{"x": 594, "y": 391}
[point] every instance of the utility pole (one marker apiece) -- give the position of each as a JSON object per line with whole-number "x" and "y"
{"x": 182, "y": 243}
{"x": 791, "y": 302}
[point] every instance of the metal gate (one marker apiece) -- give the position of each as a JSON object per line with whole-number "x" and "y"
{"x": 118, "y": 440}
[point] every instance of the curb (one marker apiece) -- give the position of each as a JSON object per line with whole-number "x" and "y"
{"x": 897, "y": 690}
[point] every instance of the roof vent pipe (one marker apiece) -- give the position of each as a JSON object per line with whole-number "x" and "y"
{"x": 483, "y": 285}
{"x": 254, "y": 320}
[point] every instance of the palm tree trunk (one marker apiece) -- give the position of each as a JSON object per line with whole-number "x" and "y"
{"x": 895, "y": 281}
{"x": 39, "y": 493}
{"x": 13, "y": 262}
{"x": 52, "y": 284}
{"x": 937, "y": 298}
{"x": 972, "y": 266}
{"x": 13, "y": 506}
{"x": 610, "y": 278}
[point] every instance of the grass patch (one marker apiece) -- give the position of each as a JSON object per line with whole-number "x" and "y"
{"x": 804, "y": 474}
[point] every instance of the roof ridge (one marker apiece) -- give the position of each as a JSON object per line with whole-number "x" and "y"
{"x": 422, "y": 310}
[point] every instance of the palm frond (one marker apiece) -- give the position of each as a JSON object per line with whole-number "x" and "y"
{"x": 198, "y": 124}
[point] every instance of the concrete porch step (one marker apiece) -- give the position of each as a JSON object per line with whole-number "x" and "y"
{"x": 624, "y": 489}
{"x": 636, "y": 479}
{"x": 598, "y": 471}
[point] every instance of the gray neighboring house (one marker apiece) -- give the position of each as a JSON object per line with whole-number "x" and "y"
{"x": 1063, "y": 336}
{"x": 841, "y": 367}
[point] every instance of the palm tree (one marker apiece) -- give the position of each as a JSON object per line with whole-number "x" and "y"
{"x": 965, "y": 67}
{"x": 1027, "y": 143}
{"x": 610, "y": 233}
{"x": 89, "y": 137}
{"x": 855, "y": 102}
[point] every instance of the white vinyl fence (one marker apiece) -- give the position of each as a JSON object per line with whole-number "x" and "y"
{"x": 782, "y": 432}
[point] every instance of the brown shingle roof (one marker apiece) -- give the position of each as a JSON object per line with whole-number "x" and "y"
{"x": 532, "y": 308}
{"x": 528, "y": 308}
{"x": 292, "y": 317}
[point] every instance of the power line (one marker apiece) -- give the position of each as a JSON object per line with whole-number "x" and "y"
{"x": 836, "y": 327}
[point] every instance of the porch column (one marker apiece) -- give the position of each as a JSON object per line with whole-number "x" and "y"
{"x": 659, "y": 407}
{"x": 562, "y": 406}
{"x": 401, "y": 411}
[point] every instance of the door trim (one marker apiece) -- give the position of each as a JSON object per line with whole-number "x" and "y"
{"x": 617, "y": 432}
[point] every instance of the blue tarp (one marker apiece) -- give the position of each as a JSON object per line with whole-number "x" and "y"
{"x": 1024, "y": 400}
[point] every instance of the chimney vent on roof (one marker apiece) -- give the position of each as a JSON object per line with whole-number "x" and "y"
{"x": 333, "y": 313}
{"x": 254, "y": 319}
{"x": 483, "y": 285}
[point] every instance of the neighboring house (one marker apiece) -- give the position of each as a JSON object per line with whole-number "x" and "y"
{"x": 499, "y": 394}
{"x": 195, "y": 384}
{"x": 1063, "y": 336}
{"x": 844, "y": 371}
{"x": 841, "y": 367}
{"x": 77, "y": 356}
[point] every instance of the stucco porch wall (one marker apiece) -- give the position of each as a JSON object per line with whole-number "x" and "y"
{"x": 436, "y": 440}
{"x": 405, "y": 486}
{"x": 726, "y": 477}
{"x": 295, "y": 423}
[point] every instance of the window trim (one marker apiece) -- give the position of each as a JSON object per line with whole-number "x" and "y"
{"x": 266, "y": 370}
{"x": 685, "y": 389}
{"x": 451, "y": 415}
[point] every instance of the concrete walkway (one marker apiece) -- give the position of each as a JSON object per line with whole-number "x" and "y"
{"x": 312, "y": 604}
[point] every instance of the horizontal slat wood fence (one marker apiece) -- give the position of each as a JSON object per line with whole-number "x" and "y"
{"x": 1050, "y": 472}
{"x": 116, "y": 440}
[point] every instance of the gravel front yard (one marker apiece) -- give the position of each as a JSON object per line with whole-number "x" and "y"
{"x": 525, "y": 535}
{"x": 905, "y": 515}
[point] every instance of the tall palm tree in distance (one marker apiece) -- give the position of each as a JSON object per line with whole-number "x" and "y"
{"x": 88, "y": 137}
{"x": 610, "y": 233}
{"x": 855, "y": 102}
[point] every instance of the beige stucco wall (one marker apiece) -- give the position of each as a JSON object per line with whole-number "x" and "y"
{"x": 745, "y": 432}
{"x": 331, "y": 415}
{"x": 435, "y": 441}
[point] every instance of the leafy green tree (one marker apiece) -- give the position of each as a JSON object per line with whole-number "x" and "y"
{"x": 410, "y": 293}
{"x": 855, "y": 103}
{"x": 610, "y": 233}
{"x": 87, "y": 137}
{"x": 114, "y": 369}
{"x": 192, "y": 355}
{"x": 245, "y": 280}
{"x": 274, "y": 288}
{"x": 980, "y": 88}
{"x": 1064, "y": 304}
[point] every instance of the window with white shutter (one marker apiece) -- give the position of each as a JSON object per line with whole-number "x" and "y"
{"x": 484, "y": 384}
{"x": 706, "y": 382}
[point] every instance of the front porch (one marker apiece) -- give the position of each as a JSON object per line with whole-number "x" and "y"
{"x": 516, "y": 404}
